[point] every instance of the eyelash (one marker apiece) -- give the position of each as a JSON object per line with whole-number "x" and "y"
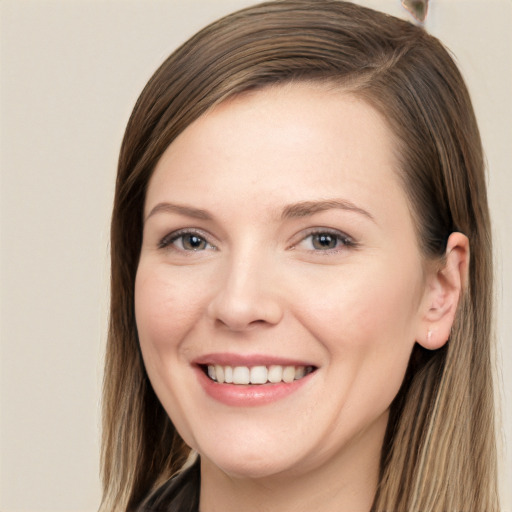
{"x": 171, "y": 238}
{"x": 343, "y": 241}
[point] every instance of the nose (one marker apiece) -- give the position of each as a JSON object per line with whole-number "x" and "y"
{"x": 247, "y": 296}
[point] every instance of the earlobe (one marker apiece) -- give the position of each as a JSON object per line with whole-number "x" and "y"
{"x": 445, "y": 287}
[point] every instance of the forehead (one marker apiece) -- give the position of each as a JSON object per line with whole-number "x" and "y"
{"x": 287, "y": 143}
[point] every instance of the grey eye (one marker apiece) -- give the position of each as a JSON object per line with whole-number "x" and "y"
{"x": 324, "y": 241}
{"x": 193, "y": 242}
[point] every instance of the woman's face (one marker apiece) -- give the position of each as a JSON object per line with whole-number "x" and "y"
{"x": 279, "y": 254}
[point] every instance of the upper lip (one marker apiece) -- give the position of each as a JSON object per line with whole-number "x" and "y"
{"x": 229, "y": 359}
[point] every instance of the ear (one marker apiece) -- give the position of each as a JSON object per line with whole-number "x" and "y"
{"x": 445, "y": 285}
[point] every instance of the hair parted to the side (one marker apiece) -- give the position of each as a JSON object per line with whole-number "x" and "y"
{"x": 439, "y": 453}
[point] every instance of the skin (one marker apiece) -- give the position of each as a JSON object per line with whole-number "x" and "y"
{"x": 261, "y": 284}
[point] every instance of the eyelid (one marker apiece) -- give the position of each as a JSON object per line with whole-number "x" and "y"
{"x": 167, "y": 241}
{"x": 347, "y": 240}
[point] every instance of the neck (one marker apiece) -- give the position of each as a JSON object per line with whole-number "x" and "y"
{"x": 346, "y": 481}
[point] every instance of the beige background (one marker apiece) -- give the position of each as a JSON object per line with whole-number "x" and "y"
{"x": 71, "y": 71}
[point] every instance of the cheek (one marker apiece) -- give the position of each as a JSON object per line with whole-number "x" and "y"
{"x": 367, "y": 324}
{"x": 164, "y": 307}
{"x": 165, "y": 310}
{"x": 362, "y": 310}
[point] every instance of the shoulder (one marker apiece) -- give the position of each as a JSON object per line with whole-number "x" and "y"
{"x": 179, "y": 494}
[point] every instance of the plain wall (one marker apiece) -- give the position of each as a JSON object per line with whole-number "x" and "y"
{"x": 71, "y": 71}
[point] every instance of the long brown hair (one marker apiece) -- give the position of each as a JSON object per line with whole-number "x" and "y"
{"x": 439, "y": 453}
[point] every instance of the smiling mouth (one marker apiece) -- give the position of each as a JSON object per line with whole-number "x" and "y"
{"x": 244, "y": 375}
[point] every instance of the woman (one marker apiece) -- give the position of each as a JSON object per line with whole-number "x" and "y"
{"x": 301, "y": 274}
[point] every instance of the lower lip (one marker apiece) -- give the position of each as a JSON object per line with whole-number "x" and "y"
{"x": 249, "y": 395}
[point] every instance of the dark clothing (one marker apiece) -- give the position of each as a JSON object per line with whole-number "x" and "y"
{"x": 179, "y": 494}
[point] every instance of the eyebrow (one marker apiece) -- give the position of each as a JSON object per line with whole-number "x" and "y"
{"x": 296, "y": 210}
{"x": 188, "y": 211}
{"x": 306, "y": 208}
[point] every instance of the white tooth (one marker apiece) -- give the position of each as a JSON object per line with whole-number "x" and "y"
{"x": 300, "y": 371}
{"x": 219, "y": 371}
{"x": 258, "y": 375}
{"x": 288, "y": 374}
{"x": 211, "y": 372}
{"x": 228, "y": 374}
{"x": 241, "y": 375}
{"x": 275, "y": 374}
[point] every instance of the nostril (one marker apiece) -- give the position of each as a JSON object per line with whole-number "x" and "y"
{"x": 238, "y": 324}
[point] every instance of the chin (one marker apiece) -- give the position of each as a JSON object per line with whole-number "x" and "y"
{"x": 241, "y": 458}
{"x": 250, "y": 467}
